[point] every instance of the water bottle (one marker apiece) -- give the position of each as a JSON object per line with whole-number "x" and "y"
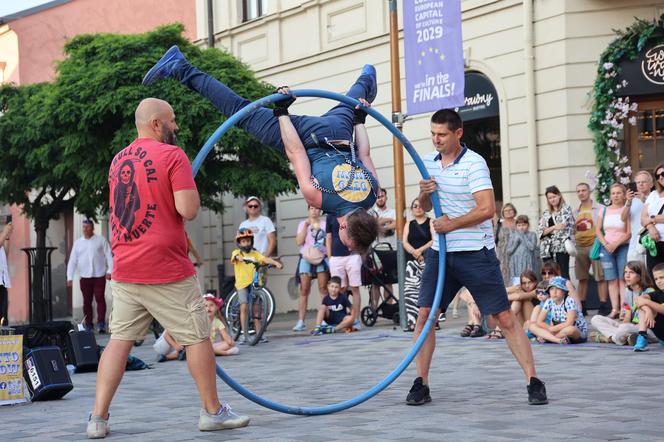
{"x": 71, "y": 369}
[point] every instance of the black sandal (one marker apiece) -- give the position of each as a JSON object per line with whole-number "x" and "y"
{"x": 477, "y": 331}
{"x": 465, "y": 332}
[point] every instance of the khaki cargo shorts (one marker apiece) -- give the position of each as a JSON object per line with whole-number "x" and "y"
{"x": 583, "y": 262}
{"x": 178, "y": 306}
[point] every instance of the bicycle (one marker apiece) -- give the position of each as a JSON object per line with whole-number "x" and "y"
{"x": 260, "y": 309}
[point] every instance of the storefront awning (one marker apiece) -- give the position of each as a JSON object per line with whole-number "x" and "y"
{"x": 480, "y": 98}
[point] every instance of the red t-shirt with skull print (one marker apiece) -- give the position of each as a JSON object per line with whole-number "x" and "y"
{"x": 147, "y": 233}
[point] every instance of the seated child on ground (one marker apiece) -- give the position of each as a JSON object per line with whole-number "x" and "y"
{"x": 333, "y": 310}
{"x": 568, "y": 325}
{"x": 168, "y": 349}
{"x": 651, "y": 312}
{"x": 638, "y": 283}
{"x": 541, "y": 295}
{"x": 244, "y": 275}
{"x": 222, "y": 342}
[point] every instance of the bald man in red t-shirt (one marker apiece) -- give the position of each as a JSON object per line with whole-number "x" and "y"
{"x": 152, "y": 193}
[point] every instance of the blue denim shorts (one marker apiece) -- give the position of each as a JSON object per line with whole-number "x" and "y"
{"x": 613, "y": 264}
{"x": 304, "y": 268}
{"x": 477, "y": 270}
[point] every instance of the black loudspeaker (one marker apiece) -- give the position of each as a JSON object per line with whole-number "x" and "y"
{"x": 45, "y": 374}
{"x": 44, "y": 334}
{"x": 82, "y": 350}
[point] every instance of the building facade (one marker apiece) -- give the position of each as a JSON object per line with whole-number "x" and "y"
{"x": 31, "y": 42}
{"x": 530, "y": 67}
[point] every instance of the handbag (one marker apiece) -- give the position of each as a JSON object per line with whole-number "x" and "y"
{"x": 569, "y": 247}
{"x": 313, "y": 255}
{"x": 596, "y": 249}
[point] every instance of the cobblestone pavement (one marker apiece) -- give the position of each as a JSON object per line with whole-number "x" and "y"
{"x": 597, "y": 392}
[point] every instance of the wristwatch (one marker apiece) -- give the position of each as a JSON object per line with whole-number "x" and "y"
{"x": 652, "y": 219}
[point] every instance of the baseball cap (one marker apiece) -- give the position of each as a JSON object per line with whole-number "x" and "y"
{"x": 88, "y": 221}
{"x": 558, "y": 282}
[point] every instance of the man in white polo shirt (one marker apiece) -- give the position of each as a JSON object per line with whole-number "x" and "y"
{"x": 460, "y": 180}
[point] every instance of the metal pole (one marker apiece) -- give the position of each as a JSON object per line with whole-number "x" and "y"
{"x": 397, "y": 149}
{"x": 210, "y": 24}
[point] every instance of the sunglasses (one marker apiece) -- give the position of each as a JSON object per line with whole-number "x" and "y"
{"x": 659, "y": 175}
{"x": 253, "y": 206}
{"x": 415, "y": 207}
{"x": 541, "y": 292}
{"x": 546, "y": 272}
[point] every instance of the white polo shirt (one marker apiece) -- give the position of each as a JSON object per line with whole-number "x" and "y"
{"x": 456, "y": 184}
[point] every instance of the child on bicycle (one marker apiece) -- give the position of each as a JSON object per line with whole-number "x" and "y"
{"x": 242, "y": 259}
{"x": 222, "y": 342}
{"x": 333, "y": 312}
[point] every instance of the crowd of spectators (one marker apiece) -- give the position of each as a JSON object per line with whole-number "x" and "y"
{"x": 603, "y": 242}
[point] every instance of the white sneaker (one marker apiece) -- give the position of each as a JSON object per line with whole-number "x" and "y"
{"x": 242, "y": 340}
{"x": 98, "y": 428}
{"x": 299, "y": 326}
{"x": 357, "y": 325}
{"x": 226, "y": 419}
{"x": 263, "y": 340}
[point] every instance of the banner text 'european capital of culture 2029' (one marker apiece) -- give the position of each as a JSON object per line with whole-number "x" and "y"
{"x": 434, "y": 55}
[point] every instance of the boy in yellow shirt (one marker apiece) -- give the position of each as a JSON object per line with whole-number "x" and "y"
{"x": 244, "y": 274}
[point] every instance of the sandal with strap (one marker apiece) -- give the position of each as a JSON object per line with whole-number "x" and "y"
{"x": 477, "y": 331}
{"x": 465, "y": 332}
{"x": 495, "y": 334}
{"x": 564, "y": 340}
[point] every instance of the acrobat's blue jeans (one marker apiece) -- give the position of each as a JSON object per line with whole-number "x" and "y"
{"x": 335, "y": 124}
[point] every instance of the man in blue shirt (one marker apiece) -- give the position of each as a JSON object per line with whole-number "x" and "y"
{"x": 461, "y": 182}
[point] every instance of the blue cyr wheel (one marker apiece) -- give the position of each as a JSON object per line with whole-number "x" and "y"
{"x": 333, "y": 408}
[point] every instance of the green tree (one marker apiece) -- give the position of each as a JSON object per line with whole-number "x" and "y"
{"x": 57, "y": 139}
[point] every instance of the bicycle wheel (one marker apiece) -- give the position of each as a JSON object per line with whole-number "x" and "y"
{"x": 258, "y": 308}
{"x": 270, "y": 304}
{"x": 232, "y": 313}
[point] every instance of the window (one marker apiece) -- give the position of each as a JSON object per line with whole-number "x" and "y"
{"x": 646, "y": 140}
{"x": 252, "y": 9}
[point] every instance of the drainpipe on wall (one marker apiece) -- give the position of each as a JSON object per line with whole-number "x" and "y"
{"x": 531, "y": 110}
{"x": 210, "y": 24}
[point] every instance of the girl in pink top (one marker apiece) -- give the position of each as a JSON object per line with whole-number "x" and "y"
{"x": 613, "y": 231}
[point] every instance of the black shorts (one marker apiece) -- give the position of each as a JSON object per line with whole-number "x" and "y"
{"x": 477, "y": 270}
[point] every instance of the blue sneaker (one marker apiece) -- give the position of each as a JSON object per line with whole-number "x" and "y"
{"x": 372, "y": 89}
{"x": 357, "y": 325}
{"x": 329, "y": 329}
{"x": 641, "y": 344}
{"x": 164, "y": 67}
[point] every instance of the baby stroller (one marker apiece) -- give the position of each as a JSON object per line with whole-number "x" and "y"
{"x": 380, "y": 269}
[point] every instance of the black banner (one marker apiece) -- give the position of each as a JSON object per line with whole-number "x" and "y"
{"x": 645, "y": 74}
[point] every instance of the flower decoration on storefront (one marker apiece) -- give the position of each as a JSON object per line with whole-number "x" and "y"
{"x": 611, "y": 112}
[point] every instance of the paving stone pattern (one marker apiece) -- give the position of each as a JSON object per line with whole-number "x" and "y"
{"x": 597, "y": 392}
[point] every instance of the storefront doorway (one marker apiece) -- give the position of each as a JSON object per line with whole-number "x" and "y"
{"x": 481, "y": 124}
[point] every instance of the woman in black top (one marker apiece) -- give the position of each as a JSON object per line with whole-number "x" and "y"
{"x": 416, "y": 239}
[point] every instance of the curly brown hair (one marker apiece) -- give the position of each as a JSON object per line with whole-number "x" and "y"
{"x": 362, "y": 230}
